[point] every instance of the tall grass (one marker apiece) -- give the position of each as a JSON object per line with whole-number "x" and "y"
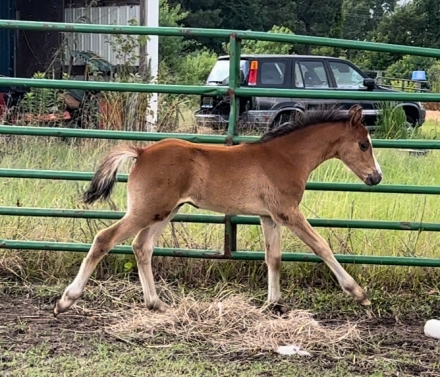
{"x": 399, "y": 168}
{"x": 392, "y": 123}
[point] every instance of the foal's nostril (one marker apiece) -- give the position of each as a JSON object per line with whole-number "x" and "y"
{"x": 373, "y": 179}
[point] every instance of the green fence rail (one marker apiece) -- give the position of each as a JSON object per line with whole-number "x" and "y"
{"x": 217, "y": 33}
{"x": 235, "y": 92}
{"x": 195, "y": 138}
{"x": 315, "y": 186}
{"x": 220, "y": 219}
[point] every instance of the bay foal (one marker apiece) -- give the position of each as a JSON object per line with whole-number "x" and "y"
{"x": 266, "y": 178}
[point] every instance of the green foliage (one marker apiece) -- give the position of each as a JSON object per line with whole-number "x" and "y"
{"x": 170, "y": 48}
{"x": 404, "y": 67}
{"x": 403, "y": 85}
{"x": 361, "y": 17}
{"x": 265, "y": 47}
{"x": 41, "y": 101}
{"x": 300, "y": 16}
{"x": 326, "y": 51}
{"x": 322, "y": 20}
{"x": 414, "y": 23}
{"x": 391, "y": 123}
{"x": 434, "y": 77}
{"x": 129, "y": 109}
{"x": 125, "y": 46}
{"x": 194, "y": 68}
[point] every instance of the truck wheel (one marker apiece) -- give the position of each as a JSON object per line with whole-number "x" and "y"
{"x": 410, "y": 122}
{"x": 282, "y": 118}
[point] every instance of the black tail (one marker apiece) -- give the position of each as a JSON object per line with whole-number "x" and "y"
{"x": 102, "y": 184}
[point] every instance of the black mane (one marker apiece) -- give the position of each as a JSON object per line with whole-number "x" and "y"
{"x": 323, "y": 114}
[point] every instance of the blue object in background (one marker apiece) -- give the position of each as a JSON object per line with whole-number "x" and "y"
{"x": 419, "y": 75}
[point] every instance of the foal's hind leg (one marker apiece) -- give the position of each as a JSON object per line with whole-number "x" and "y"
{"x": 272, "y": 240}
{"x": 296, "y": 222}
{"x": 143, "y": 246}
{"x": 102, "y": 244}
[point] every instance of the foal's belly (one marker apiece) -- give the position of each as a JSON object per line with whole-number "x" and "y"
{"x": 232, "y": 207}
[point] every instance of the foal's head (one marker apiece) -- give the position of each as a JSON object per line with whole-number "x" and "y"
{"x": 356, "y": 150}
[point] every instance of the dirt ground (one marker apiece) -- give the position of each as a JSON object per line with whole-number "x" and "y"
{"x": 390, "y": 348}
{"x": 433, "y": 115}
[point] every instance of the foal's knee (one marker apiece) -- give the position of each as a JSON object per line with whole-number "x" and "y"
{"x": 273, "y": 262}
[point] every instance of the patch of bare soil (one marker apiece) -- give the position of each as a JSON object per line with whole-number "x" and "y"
{"x": 28, "y": 322}
{"x": 433, "y": 115}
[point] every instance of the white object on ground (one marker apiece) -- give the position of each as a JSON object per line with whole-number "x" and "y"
{"x": 432, "y": 328}
{"x": 291, "y": 350}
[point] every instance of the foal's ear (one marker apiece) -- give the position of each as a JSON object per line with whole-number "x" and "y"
{"x": 355, "y": 115}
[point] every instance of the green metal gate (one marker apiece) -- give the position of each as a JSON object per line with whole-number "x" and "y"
{"x": 235, "y": 92}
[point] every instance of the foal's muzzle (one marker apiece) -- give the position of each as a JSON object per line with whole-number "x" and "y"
{"x": 373, "y": 179}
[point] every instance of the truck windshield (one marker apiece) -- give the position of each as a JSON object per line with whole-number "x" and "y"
{"x": 220, "y": 72}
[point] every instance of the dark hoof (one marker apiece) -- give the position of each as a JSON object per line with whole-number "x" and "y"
{"x": 158, "y": 306}
{"x": 57, "y": 310}
{"x": 279, "y": 308}
{"x": 365, "y": 302}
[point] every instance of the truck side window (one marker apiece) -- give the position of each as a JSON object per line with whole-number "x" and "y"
{"x": 272, "y": 73}
{"x": 314, "y": 74}
{"x": 346, "y": 77}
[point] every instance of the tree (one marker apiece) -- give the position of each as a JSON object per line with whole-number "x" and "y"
{"x": 361, "y": 17}
{"x": 278, "y": 12}
{"x": 170, "y": 47}
{"x": 413, "y": 24}
{"x": 201, "y": 14}
{"x": 404, "y": 67}
{"x": 410, "y": 24}
{"x": 265, "y": 47}
{"x": 324, "y": 20}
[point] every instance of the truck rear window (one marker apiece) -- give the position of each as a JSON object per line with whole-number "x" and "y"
{"x": 273, "y": 73}
{"x": 220, "y": 72}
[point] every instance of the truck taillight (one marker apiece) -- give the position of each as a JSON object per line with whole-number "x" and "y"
{"x": 253, "y": 73}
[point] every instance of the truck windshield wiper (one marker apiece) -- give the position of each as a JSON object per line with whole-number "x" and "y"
{"x": 216, "y": 82}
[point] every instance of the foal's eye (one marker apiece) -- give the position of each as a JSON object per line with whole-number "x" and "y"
{"x": 364, "y": 145}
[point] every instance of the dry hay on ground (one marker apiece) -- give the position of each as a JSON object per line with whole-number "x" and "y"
{"x": 233, "y": 325}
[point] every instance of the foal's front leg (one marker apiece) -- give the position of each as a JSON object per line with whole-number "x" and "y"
{"x": 272, "y": 238}
{"x": 296, "y": 222}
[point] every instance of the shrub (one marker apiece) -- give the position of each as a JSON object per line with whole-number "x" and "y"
{"x": 391, "y": 123}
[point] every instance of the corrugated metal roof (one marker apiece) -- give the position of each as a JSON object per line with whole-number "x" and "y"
{"x": 98, "y": 43}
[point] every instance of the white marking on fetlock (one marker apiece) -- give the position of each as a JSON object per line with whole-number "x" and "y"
{"x": 274, "y": 292}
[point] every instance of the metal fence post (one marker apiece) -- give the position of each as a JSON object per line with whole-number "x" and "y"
{"x": 234, "y": 83}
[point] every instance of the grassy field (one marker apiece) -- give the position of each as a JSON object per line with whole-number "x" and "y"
{"x": 32, "y": 343}
{"x": 398, "y": 166}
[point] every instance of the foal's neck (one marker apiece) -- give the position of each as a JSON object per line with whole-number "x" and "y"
{"x": 311, "y": 146}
